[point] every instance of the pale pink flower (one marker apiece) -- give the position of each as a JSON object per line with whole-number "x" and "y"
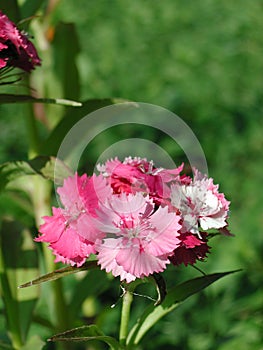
{"x": 200, "y": 204}
{"x": 70, "y": 232}
{"x": 138, "y": 239}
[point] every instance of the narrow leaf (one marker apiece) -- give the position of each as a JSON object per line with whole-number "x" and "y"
{"x": 65, "y": 45}
{"x": 65, "y": 271}
{"x": 174, "y": 297}
{"x": 11, "y": 98}
{"x": 71, "y": 117}
{"x": 86, "y": 333}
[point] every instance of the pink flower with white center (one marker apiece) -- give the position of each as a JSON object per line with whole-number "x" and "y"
{"x": 200, "y": 204}
{"x": 138, "y": 240}
{"x": 70, "y": 232}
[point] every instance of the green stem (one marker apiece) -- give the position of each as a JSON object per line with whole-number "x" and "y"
{"x": 10, "y": 306}
{"x": 125, "y": 313}
{"x": 33, "y": 135}
{"x": 41, "y": 198}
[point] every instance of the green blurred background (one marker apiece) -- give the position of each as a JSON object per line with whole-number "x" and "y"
{"x": 202, "y": 60}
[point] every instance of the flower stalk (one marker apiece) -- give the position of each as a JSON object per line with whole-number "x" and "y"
{"x": 127, "y": 299}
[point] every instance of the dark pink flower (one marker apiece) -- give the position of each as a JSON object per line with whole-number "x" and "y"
{"x": 140, "y": 175}
{"x": 15, "y": 48}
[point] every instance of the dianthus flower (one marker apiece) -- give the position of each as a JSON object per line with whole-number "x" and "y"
{"x": 135, "y": 217}
{"x": 70, "y": 231}
{"x": 15, "y": 48}
{"x": 138, "y": 239}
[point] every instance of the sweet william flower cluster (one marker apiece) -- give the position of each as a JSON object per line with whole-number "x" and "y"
{"x": 135, "y": 217}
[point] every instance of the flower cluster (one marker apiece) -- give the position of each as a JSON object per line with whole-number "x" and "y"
{"x": 15, "y": 48}
{"x": 135, "y": 217}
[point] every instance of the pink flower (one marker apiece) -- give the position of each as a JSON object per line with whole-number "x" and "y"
{"x": 15, "y": 48}
{"x": 70, "y": 232}
{"x": 190, "y": 249}
{"x": 138, "y": 239}
{"x": 200, "y": 204}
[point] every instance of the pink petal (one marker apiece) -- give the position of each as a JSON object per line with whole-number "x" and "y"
{"x": 107, "y": 259}
{"x": 138, "y": 263}
{"x": 66, "y": 243}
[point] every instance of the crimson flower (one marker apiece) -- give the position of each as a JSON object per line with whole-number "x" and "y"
{"x": 15, "y": 48}
{"x": 190, "y": 249}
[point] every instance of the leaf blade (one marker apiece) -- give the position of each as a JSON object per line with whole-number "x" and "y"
{"x": 65, "y": 271}
{"x": 86, "y": 333}
{"x": 174, "y": 297}
{"x": 13, "y": 98}
{"x": 42, "y": 165}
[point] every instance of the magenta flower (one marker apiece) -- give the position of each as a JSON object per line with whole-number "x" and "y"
{"x": 139, "y": 175}
{"x": 138, "y": 239}
{"x": 200, "y": 204}
{"x": 70, "y": 232}
{"x": 15, "y": 48}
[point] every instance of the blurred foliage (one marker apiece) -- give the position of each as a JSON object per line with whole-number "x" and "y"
{"x": 200, "y": 59}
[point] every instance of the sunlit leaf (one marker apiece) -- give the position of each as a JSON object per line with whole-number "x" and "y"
{"x": 33, "y": 343}
{"x": 11, "y": 98}
{"x": 41, "y": 165}
{"x": 86, "y": 333}
{"x": 65, "y": 271}
{"x": 174, "y": 297}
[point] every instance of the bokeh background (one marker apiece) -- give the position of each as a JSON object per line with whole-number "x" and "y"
{"x": 203, "y": 60}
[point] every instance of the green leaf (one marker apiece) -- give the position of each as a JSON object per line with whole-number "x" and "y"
{"x": 174, "y": 297}
{"x": 65, "y": 271}
{"x": 65, "y": 51}
{"x": 86, "y": 333}
{"x": 41, "y": 165}
{"x": 11, "y": 98}
{"x": 71, "y": 117}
